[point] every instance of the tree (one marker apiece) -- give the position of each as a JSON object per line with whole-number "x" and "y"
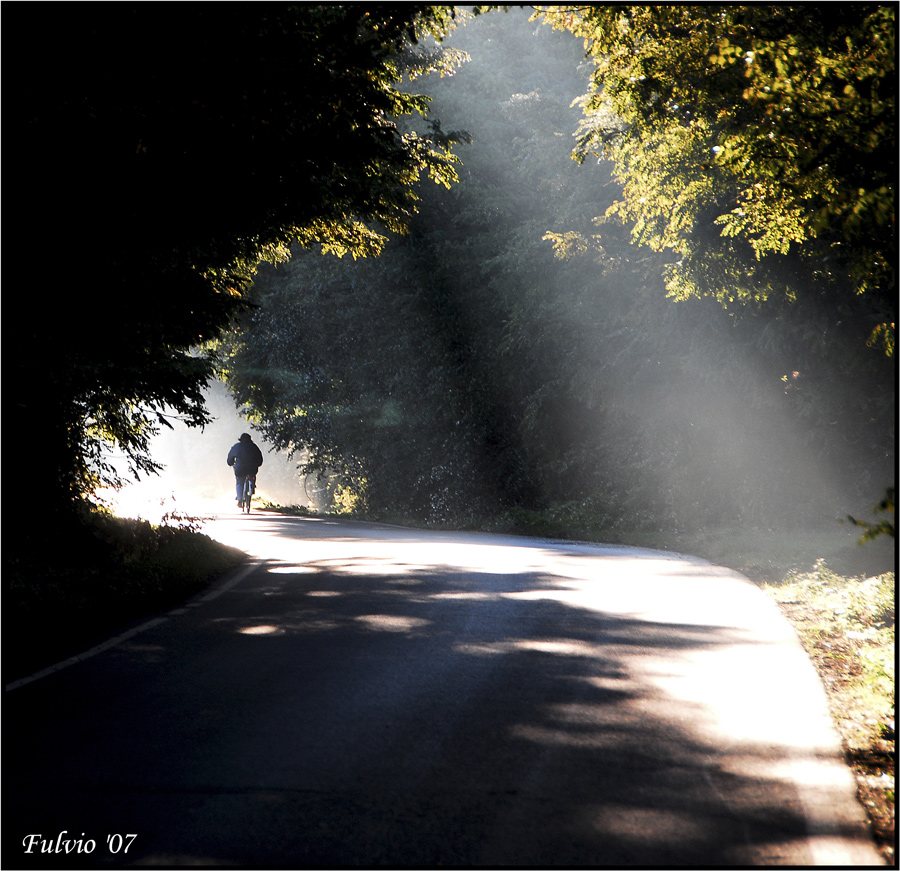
{"x": 756, "y": 143}
{"x": 167, "y": 151}
{"x": 466, "y": 371}
{"x": 384, "y": 371}
{"x": 883, "y": 527}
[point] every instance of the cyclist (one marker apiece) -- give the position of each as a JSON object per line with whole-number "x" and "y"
{"x": 245, "y": 458}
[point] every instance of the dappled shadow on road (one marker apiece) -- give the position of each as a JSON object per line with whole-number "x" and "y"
{"x": 528, "y": 706}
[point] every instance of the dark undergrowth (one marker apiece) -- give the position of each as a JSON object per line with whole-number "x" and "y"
{"x": 84, "y": 578}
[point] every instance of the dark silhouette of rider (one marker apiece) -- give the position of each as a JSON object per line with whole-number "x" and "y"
{"x": 245, "y": 458}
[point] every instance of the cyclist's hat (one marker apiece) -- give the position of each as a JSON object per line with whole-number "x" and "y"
{"x": 245, "y": 437}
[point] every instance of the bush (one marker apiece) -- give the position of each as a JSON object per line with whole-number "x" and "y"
{"x": 99, "y": 573}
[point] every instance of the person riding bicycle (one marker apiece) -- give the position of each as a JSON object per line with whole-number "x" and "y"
{"x": 246, "y": 458}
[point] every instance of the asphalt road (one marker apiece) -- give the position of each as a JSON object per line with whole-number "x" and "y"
{"x": 366, "y": 695}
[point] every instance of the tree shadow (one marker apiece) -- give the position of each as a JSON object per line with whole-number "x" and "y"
{"x": 373, "y": 712}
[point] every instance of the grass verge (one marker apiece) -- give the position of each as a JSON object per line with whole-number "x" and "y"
{"x": 94, "y": 577}
{"x": 847, "y": 627}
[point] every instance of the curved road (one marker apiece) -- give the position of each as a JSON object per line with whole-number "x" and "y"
{"x": 364, "y": 695}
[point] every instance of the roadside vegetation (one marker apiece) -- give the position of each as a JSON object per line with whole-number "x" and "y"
{"x": 102, "y": 573}
{"x": 847, "y": 626}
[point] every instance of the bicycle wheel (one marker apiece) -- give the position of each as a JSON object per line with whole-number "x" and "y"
{"x": 248, "y": 493}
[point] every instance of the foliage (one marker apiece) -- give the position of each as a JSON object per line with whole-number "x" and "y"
{"x": 882, "y": 527}
{"x": 757, "y": 143}
{"x": 847, "y": 627}
{"x": 102, "y": 572}
{"x": 169, "y": 151}
{"x": 340, "y": 366}
{"x": 467, "y": 372}
{"x": 849, "y": 621}
{"x": 384, "y": 370}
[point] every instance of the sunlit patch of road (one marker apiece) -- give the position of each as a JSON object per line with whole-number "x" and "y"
{"x": 695, "y": 645}
{"x": 577, "y": 694}
{"x": 669, "y": 591}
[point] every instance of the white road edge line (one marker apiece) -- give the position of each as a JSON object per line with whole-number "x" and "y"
{"x": 136, "y": 630}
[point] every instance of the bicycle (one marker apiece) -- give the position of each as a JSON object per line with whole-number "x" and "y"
{"x": 247, "y": 492}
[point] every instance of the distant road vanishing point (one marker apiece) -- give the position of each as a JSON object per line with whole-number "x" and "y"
{"x": 361, "y": 694}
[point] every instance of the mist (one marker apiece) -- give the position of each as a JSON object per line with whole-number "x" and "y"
{"x": 702, "y": 415}
{"x": 468, "y": 371}
{"x": 195, "y": 478}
